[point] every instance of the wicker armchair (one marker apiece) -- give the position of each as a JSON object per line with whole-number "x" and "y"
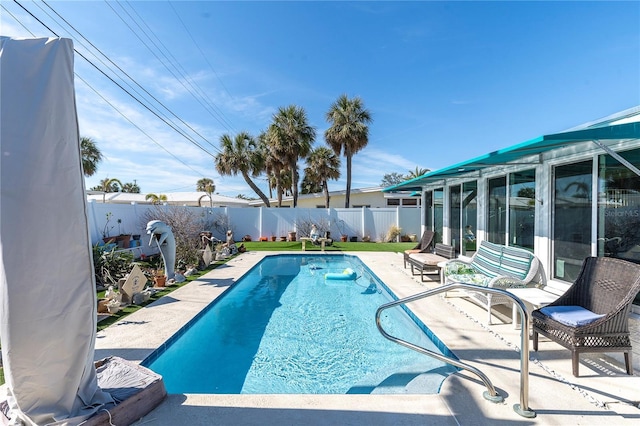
{"x": 424, "y": 246}
{"x": 605, "y": 286}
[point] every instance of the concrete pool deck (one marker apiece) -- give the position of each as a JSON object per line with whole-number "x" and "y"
{"x": 603, "y": 394}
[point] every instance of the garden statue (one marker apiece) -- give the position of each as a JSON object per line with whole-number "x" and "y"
{"x": 161, "y": 233}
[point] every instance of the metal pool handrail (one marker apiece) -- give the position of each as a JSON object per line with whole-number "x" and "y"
{"x": 490, "y": 394}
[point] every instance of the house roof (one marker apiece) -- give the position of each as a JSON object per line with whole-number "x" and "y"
{"x": 623, "y": 126}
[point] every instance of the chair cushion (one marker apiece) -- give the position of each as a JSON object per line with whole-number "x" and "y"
{"x": 574, "y": 316}
{"x": 427, "y": 258}
{"x": 476, "y": 279}
{"x": 487, "y": 259}
{"x": 516, "y": 262}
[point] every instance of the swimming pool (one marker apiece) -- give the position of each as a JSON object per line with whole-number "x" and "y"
{"x": 282, "y": 328}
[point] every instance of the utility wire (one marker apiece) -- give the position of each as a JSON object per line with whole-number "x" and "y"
{"x": 215, "y": 110}
{"x": 133, "y": 80}
{"x": 137, "y": 127}
{"x": 200, "y": 50}
{"x": 109, "y": 103}
{"x": 163, "y": 63}
{"x": 116, "y": 83}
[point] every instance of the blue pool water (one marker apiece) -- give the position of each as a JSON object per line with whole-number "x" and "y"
{"x": 284, "y": 329}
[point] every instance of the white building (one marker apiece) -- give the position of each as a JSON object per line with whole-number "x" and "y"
{"x": 193, "y": 199}
{"x": 564, "y": 196}
{"x": 364, "y": 197}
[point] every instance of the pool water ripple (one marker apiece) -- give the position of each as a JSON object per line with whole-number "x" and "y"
{"x": 283, "y": 329}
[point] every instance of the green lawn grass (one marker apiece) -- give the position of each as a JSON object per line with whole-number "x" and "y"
{"x": 336, "y": 246}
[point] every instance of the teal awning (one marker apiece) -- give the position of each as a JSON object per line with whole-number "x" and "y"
{"x": 514, "y": 153}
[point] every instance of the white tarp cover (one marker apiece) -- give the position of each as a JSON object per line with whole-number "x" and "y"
{"x": 47, "y": 290}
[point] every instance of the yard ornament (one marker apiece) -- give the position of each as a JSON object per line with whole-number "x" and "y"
{"x": 161, "y": 234}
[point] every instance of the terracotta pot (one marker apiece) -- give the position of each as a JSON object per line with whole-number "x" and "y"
{"x": 160, "y": 281}
{"x": 343, "y": 238}
{"x": 123, "y": 241}
{"x": 273, "y": 238}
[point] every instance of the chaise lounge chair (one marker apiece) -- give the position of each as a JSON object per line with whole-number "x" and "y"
{"x": 423, "y": 246}
{"x": 592, "y": 315}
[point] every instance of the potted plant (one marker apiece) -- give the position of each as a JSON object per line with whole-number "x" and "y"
{"x": 273, "y": 238}
{"x": 160, "y": 279}
{"x": 343, "y": 236}
{"x": 107, "y": 230}
{"x": 113, "y": 306}
{"x": 123, "y": 240}
{"x": 292, "y": 235}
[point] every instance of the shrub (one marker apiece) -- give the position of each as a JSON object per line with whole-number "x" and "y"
{"x": 186, "y": 227}
{"x": 109, "y": 266}
{"x": 393, "y": 233}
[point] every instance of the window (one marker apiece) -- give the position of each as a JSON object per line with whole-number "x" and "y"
{"x": 469, "y": 216}
{"x": 454, "y": 216}
{"x": 428, "y": 210}
{"x": 572, "y": 219}
{"x": 522, "y": 207}
{"x": 393, "y": 201}
{"x": 409, "y": 201}
{"x": 619, "y": 207}
{"x": 438, "y": 223}
{"x": 497, "y": 214}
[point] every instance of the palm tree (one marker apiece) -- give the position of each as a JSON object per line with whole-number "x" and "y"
{"x": 206, "y": 185}
{"x": 273, "y": 165}
{"x": 156, "y": 198}
{"x": 323, "y": 164}
{"x": 241, "y": 155}
{"x": 91, "y": 156}
{"x": 291, "y": 138}
{"x": 107, "y": 185}
{"x": 348, "y": 131}
{"x": 110, "y": 185}
{"x": 131, "y": 187}
{"x": 417, "y": 172}
{"x": 310, "y": 184}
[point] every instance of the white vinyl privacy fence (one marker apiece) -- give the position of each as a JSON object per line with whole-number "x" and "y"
{"x": 110, "y": 220}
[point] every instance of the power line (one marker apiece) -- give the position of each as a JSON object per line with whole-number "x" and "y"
{"x": 200, "y": 94}
{"x": 118, "y": 84}
{"x": 132, "y": 79}
{"x": 136, "y": 126}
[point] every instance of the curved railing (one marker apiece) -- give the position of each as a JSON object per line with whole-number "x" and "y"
{"x": 490, "y": 394}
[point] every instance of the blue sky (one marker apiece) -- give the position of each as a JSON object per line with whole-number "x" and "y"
{"x": 444, "y": 81}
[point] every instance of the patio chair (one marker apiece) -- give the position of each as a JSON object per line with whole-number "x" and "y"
{"x": 592, "y": 315}
{"x": 423, "y": 246}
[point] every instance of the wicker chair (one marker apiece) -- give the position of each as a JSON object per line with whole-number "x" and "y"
{"x": 423, "y": 246}
{"x": 605, "y": 286}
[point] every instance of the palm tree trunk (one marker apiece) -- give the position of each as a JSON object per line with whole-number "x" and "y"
{"x": 279, "y": 189}
{"x": 294, "y": 183}
{"x": 347, "y": 194}
{"x": 255, "y": 189}
{"x": 325, "y": 189}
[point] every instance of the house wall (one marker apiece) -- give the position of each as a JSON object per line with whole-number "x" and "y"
{"x": 544, "y": 165}
{"x": 357, "y": 199}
